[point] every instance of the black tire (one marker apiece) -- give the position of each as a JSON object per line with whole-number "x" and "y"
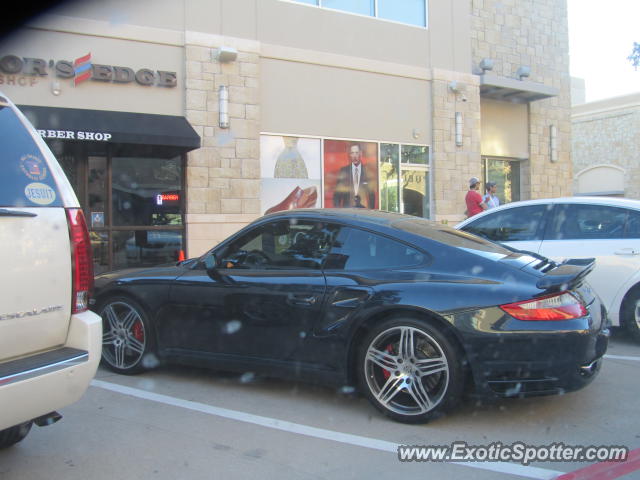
{"x": 631, "y": 314}
{"x": 12, "y": 435}
{"x": 128, "y": 339}
{"x": 410, "y": 385}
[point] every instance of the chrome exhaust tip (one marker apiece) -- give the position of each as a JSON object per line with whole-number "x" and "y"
{"x": 48, "y": 419}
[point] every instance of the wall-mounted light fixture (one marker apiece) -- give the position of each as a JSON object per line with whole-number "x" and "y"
{"x": 225, "y": 54}
{"x": 523, "y": 72}
{"x": 486, "y": 64}
{"x": 553, "y": 143}
{"x": 55, "y": 88}
{"x": 458, "y": 90}
{"x": 223, "y": 106}
{"x": 459, "y": 129}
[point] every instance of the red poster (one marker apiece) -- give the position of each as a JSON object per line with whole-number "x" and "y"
{"x": 350, "y": 174}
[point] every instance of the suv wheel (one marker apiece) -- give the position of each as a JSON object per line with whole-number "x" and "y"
{"x": 12, "y": 435}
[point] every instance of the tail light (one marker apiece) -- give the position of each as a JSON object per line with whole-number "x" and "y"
{"x": 562, "y": 306}
{"x": 81, "y": 261}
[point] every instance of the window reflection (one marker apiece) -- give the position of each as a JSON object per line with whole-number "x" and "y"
{"x": 363, "y": 7}
{"x": 146, "y": 247}
{"x": 389, "y": 177}
{"x": 146, "y": 191}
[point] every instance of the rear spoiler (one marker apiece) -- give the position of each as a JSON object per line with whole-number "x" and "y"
{"x": 567, "y": 275}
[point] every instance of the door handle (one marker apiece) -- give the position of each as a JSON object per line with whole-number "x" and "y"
{"x": 15, "y": 213}
{"x": 301, "y": 300}
{"x": 627, "y": 251}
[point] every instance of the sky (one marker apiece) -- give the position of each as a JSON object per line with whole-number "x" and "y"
{"x": 601, "y": 36}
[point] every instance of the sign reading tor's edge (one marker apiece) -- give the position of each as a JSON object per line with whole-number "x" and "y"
{"x": 80, "y": 70}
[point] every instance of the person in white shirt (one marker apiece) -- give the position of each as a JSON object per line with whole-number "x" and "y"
{"x": 490, "y": 198}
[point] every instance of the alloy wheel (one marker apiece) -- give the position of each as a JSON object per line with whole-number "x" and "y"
{"x": 124, "y": 338}
{"x": 406, "y": 370}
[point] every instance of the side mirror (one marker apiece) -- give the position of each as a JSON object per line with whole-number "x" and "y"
{"x": 210, "y": 262}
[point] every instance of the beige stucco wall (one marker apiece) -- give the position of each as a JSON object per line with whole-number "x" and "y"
{"x": 321, "y": 100}
{"x": 505, "y": 129}
{"x": 61, "y": 38}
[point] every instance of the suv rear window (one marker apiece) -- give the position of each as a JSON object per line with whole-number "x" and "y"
{"x": 26, "y": 180}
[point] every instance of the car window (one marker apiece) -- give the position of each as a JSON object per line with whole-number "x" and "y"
{"x": 510, "y": 225}
{"x": 584, "y": 221}
{"x": 281, "y": 245}
{"x": 357, "y": 249}
{"x": 633, "y": 225}
{"x": 26, "y": 180}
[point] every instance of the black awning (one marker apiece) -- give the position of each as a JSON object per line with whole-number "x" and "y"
{"x": 120, "y": 128}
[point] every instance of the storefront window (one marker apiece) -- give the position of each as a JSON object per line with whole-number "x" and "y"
{"x": 146, "y": 191}
{"x": 389, "y": 177}
{"x": 404, "y": 179}
{"x": 506, "y": 174}
{"x": 97, "y": 192}
{"x": 415, "y": 191}
{"x": 133, "y": 248}
{"x": 139, "y": 220}
{"x": 415, "y": 154}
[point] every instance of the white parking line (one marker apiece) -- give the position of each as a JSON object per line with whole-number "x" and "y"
{"x": 283, "y": 425}
{"x": 622, "y": 357}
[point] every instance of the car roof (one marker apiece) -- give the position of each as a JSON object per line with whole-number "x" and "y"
{"x": 378, "y": 217}
{"x": 607, "y": 201}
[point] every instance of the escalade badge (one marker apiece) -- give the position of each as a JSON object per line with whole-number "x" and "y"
{"x": 30, "y": 313}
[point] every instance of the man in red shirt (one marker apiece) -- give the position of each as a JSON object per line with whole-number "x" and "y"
{"x": 474, "y": 201}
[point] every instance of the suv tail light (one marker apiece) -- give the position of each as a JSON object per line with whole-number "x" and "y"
{"x": 561, "y": 306}
{"x": 81, "y": 261}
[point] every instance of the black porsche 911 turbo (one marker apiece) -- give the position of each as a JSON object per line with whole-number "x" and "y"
{"x": 410, "y": 311}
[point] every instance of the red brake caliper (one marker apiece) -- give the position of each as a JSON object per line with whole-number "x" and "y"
{"x": 386, "y": 373}
{"x": 138, "y": 331}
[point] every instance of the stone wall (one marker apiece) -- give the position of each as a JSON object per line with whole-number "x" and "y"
{"x": 609, "y": 137}
{"x": 532, "y": 33}
{"x": 453, "y": 164}
{"x": 223, "y": 177}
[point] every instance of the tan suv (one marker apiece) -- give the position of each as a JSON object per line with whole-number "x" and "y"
{"x": 49, "y": 341}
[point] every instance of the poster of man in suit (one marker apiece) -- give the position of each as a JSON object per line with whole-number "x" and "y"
{"x": 350, "y": 174}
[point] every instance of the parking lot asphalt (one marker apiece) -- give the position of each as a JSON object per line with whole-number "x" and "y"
{"x": 185, "y": 423}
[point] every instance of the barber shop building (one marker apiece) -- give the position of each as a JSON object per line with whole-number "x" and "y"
{"x": 178, "y": 122}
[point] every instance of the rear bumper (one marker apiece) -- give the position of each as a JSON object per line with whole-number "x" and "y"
{"x": 560, "y": 374}
{"x": 36, "y": 385}
{"x": 511, "y": 358}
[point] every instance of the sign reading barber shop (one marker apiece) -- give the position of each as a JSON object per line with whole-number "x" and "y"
{"x": 24, "y": 71}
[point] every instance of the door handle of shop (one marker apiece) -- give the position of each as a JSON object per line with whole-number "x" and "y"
{"x": 627, "y": 251}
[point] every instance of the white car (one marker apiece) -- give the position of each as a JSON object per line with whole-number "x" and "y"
{"x": 607, "y": 229}
{"x": 50, "y": 343}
